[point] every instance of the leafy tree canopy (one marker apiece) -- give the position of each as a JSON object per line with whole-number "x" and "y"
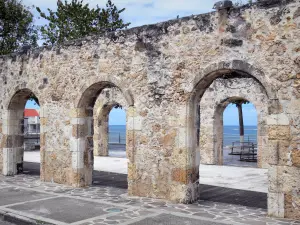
{"x": 16, "y": 26}
{"x": 75, "y": 19}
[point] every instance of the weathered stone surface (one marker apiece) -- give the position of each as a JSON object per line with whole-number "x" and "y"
{"x": 295, "y": 155}
{"x": 279, "y": 132}
{"x": 162, "y": 72}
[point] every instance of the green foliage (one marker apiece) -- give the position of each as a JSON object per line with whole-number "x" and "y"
{"x": 75, "y": 19}
{"x": 240, "y": 102}
{"x": 16, "y": 26}
{"x": 32, "y": 97}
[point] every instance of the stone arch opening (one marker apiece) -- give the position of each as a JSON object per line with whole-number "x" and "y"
{"x": 13, "y": 129}
{"x": 103, "y": 129}
{"x": 217, "y": 97}
{"x": 234, "y": 69}
{"x": 227, "y": 153}
{"x": 83, "y": 137}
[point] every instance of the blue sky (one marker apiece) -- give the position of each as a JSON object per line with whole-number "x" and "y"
{"x": 230, "y": 116}
{"x": 141, "y": 12}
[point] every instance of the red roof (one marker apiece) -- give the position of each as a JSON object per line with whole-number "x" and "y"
{"x": 31, "y": 113}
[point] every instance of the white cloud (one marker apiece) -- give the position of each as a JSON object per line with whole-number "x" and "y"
{"x": 140, "y": 12}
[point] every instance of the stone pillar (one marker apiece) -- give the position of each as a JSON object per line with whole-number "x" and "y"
{"x": 81, "y": 146}
{"x": 13, "y": 140}
{"x": 278, "y": 133}
{"x": 43, "y": 133}
{"x": 185, "y": 158}
{"x": 101, "y": 135}
{"x": 133, "y": 127}
{"x": 211, "y": 135}
{"x": 206, "y": 140}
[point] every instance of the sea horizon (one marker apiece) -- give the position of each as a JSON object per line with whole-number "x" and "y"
{"x": 117, "y": 134}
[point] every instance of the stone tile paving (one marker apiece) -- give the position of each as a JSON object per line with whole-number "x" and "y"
{"x": 127, "y": 209}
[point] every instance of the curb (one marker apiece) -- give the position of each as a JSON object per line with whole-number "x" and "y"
{"x": 19, "y": 220}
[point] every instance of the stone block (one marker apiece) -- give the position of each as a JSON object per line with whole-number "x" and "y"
{"x": 184, "y": 176}
{"x": 134, "y": 123}
{"x": 77, "y": 144}
{"x": 276, "y": 204}
{"x": 131, "y": 112}
{"x": 179, "y": 156}
{"x": 278, "y": 119}
{"x": 292, "y": 204}
{"x": 79, "y": 113}
{"x": 295, "y": 156}
{"x": 181, "y": 138}
{"x": 78, "y": 160}
{"x": 132, "y": 173}
{"x": 277, "y": 132}
{"x": 168, "y": 140}
{"x": 9, "y": 162}
{"x": 79, "y": 121}
{"x": 284, "y": 153}
{"x": 43, "y": 121}
{"x": 43, "y": 139}
{"x": 79, "y": 131}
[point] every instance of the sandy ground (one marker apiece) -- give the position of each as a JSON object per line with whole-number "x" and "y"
{"x": 243, "y": 178}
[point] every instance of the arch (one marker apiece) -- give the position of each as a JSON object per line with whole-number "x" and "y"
{"x": 13, "y": 130}
{"x": 19, "y": 98}
{"x": 212, "y": 117}
{"x": 261, "y": 111}
{"x": 103, "y": 128}
{"x": 202, "y": 81}
{"x": 82, "y": 140}
{"x": 200, "y": 84}
{"x": 91, "y": 91}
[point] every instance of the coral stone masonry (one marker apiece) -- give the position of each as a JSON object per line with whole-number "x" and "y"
{"x": 163, "y": 74}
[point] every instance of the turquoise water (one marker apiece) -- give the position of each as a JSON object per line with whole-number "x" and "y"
{"x": 117, "y": 134}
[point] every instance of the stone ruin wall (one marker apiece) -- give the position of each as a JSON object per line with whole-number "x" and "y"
{"x": 162, "y": 70}
{"x": 212, "y": 105}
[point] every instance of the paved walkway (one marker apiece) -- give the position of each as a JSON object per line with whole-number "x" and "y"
{"x": 26, "y": 196}
{"x": 107, "y": 202}
{"x": 243, "y": 178}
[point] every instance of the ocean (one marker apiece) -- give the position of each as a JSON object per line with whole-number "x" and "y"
{"x": 117, "y": 134}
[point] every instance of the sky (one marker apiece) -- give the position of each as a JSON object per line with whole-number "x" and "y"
{"x": 141, "y": 12}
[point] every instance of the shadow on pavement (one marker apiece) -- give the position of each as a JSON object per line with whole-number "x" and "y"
{"x": 208, "y": 192}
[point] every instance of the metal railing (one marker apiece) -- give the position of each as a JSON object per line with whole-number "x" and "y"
{"x": 117, "y": 138}
{"x": 229, "y": 138}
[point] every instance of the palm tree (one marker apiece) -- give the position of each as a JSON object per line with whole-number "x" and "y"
{"x": 239, "y": 104}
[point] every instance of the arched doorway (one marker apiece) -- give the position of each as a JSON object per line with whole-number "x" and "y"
{"x": 239, "y": 139}
{"x": 225, "y": 92}
{"x": 14, "y": 131}
{"x": 83, "y": 150}
{"x": 32, "y": 145}
{"x": 233, "y": 69}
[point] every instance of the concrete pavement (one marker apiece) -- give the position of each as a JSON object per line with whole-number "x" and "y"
{"x": 243, "y": 178}
{"x": 48, "y": 203}
{"x": 229, "y": 195}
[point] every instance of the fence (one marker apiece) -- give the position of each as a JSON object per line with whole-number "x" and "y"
{"x": 117, "y": 138}
{"x": 229, "y": 138}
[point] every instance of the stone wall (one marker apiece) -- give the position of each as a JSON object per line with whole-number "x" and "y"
{"x": 162, "y": 70}
{"x": 212, "y": 105}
